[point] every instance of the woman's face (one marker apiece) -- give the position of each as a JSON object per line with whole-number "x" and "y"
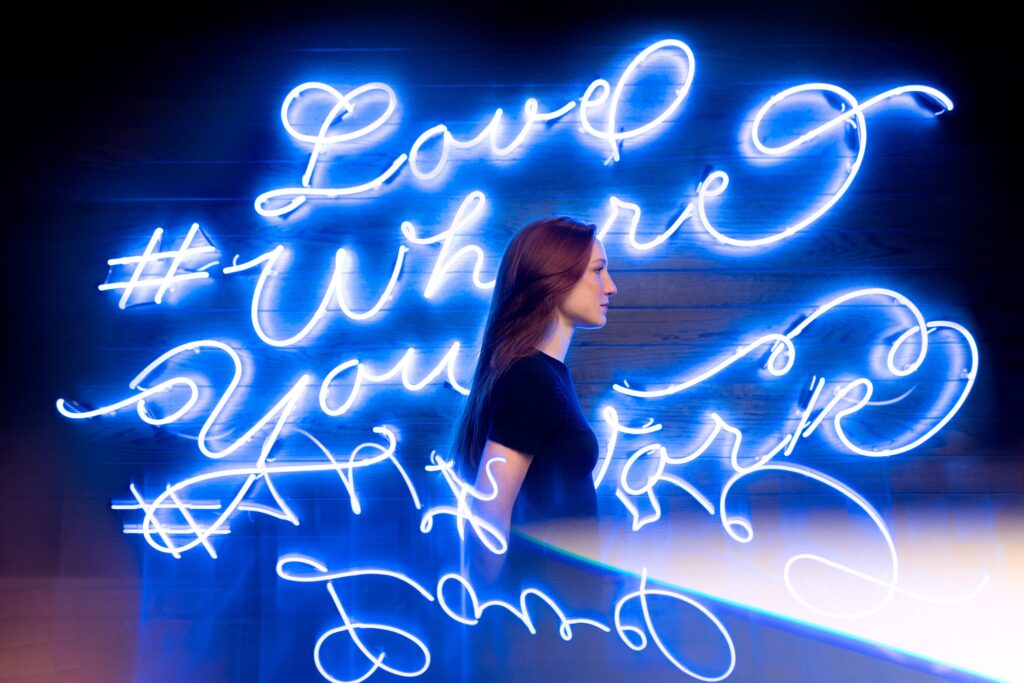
{"x": 587, "y": 303}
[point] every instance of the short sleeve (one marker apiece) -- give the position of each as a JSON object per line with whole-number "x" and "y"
{"x": 525, "y": 407}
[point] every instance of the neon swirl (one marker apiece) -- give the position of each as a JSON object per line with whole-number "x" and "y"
{"x": 852, "y": 112}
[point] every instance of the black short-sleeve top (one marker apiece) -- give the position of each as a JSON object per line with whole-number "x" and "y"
{"x": 534, "y": 409}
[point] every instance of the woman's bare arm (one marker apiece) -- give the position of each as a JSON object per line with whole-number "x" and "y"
{"x": 508, "y": 479}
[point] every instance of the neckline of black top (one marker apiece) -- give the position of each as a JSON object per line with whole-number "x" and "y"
{"x": 551, "y": 359}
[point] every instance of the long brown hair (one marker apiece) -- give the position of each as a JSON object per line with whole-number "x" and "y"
{"x": 540, "y": 266}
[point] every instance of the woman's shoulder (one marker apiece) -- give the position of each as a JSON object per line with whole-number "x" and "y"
{"x": 532, "y": 371}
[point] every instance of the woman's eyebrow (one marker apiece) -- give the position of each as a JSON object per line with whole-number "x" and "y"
{"x": 600, "y": 260}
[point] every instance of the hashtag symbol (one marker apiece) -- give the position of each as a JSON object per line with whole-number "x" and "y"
{"x": 157, "y": 528}
{"x": 159, "y": 269}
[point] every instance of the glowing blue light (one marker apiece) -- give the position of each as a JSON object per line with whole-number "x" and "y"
{"x": 403, "y": 367}
{"x": 377, "y": 662}
{"x": 264, "y": 472}
{"x": 297, "y": 196}
{"x": 335, "y": 291}
{"x": 490, "y": 131}
{"x": 469, "y": 210}
{"x": 291, "y": 568}
{"x": 166, "y": 281}
{"x": 342, "y": 102}
{"x": 489, "y": 535}
{"x": 597, "y": 95}
{"x": 612, "y": 133}
{"x": 852, "y": 111}
{"x": 641, "y": 595}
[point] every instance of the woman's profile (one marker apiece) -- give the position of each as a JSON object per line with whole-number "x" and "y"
{"x": 523, "y": 423}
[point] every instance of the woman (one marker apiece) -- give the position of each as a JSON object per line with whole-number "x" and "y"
{"x": 523, "y": 422}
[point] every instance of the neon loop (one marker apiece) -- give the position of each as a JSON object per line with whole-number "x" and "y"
{"x": 344, "y": 105}
{"x": 612, "y": 133}
{"x": 282, "y": 409}
{"x": 303, "y": 569}
{"x": 610, "y": 416}
{"x": 741, "y": 529}
{"x": 847, "y": 399}
{"x": 783, "y": 351}
{"x": 853, "y": 112}
{"x": 352, "y": 628}
{"x": 278, "y": 413}
{"x": 158, "y": 533}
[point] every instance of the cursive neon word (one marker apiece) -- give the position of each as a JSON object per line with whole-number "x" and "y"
{"x": 173, "y": 499}
{"x": 489, "y": 535}
{"x": 304, "y": 569}
{"x": 278, "y": 414}
{"x": 531, "y": 109}
{"x": 847, "y": 398}
{"x": 151, "y": 258}
{"x": 740, "y": 528}
{"x": 600, "y": 94}
{"x": 270, "y": 263}
{"x": 344, "y": 104}
{"x": 288, "y": 568}
{"x": 852, "y": 112}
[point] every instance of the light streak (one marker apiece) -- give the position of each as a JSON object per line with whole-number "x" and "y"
{"x": 489, "y": 535}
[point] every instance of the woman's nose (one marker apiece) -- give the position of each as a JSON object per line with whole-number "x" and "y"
{"x": 610, "y": 288}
